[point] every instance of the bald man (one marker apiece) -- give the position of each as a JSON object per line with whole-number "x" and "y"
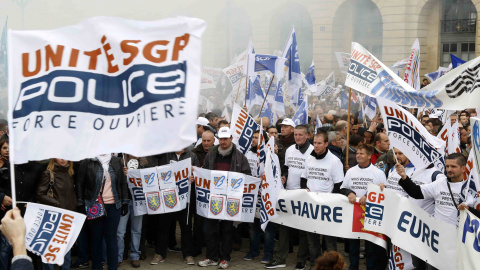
{"x": 265, "y": 123}
{"x": 327, "y": 122}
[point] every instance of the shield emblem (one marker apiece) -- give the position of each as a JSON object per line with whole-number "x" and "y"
{"x": 216, "y": 205}
{"x": 218, "y": 180}
{"x": 153, "y": 200}
{"x": 233, "y": 206}
{"x": 149, "y": 178}
{"x": 170, "y": 197}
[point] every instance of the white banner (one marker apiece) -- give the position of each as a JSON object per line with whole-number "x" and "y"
{"x": 343, "y": 60}
{"x": 206, "y": 105}
{"x": 101, "y": 83}
{"x": 324, "y": 213}
{"x": 138, "y": 197}
{"x": 236, "y": 207}
{"x": 453, "y": 91}
{"x": 411, "y": 228}
{"x": 468, "y": 244}
{"x": 408, "y": 134}
{"x": 51, "y": 231}
{"x": 271, "y": 186}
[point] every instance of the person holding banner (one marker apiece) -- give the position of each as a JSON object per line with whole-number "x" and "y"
{"x": 56, "y": 189}
{"x": 102, "y": 179}
{"x": 223, "y": 157}
{"x": 354, "y": 187}
{"x": 167, "y": 220}
{"x": 295, "y": 160}
{"x": 323, "y": 173}
{"x": 13, "y": 227}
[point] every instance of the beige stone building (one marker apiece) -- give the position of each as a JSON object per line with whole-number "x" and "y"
{"x": 387, "y": 28}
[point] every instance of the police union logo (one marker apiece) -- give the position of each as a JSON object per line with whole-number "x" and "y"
{"x": 235, "y": 183}
{"x": 218, "y": 180}
{"x": 233, "y": 206}
{"x": 149, "y": 178}
{"x": 166, "y": 176}
{"x": 153, "y": 200}
{"x": 216, "y": 205}
{"x": 170, "y": 197}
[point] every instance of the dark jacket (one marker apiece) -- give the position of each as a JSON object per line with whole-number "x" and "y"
{"x": 239, "y": 161}
{"x": 385, "y": 162}
{"x": 63, "y": 189}
{"x": 200, "y": 153}
{"x": 283, "y": 144}
{"x": 352, "y": 157}
{"x": 89, "y": 182}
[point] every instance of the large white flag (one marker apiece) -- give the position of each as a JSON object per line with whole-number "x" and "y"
{"x": 84, "y": 90}
{"x": 456, "y": 90}
{"x": 242, "y": 128}
{"x": 51, "y": 231}
{"x": 410, "y": 136}
{"x": 468, "y": 245}
{"x": 271, "y": 186}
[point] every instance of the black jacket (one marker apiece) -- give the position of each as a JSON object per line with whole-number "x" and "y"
{"x": 87, "y": 186}
{"x": 239, "y": 161}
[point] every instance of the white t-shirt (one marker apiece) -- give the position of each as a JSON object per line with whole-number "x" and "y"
{"x": 199, "y": 141}
{"x": 295, "y": 161}
{"x": 357, "y": 179}
{"x": 424, "y": 177}
{"x": 444, "y": 208}
{"x": 252, "y": 161}
{"x": 322, "y": 174}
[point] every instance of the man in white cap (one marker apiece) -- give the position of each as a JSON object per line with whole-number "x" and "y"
{"x": 223, "y": 157}
{"x": 202, "y": 126}
{"x": 286, "y": 138}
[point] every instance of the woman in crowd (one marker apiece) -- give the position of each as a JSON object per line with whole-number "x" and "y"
{"x": 101, "y": 181}
{"x": 56, "y": 188}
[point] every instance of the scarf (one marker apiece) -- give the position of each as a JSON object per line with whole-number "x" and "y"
{"x": 105, "y": 161}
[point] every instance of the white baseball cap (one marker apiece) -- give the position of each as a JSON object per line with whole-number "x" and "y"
{"x": 202, "y": 121}
{"x": 224, "y": 132}
{"x": 288, "y": 122}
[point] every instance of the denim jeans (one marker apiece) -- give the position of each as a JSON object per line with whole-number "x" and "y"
{"x": 136, "y": 233}
{"x": 5, "y": 252}
{"x": 105, "y": 228}
{"x": 255, "y": 232}
{"x": 67, "y": 261}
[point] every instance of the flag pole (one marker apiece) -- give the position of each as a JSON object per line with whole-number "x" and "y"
{"x": 238, "y": 90}
{"x": 261, "y": 108}
{"x": 247, "y": 79}
{"x": 348, "y": 126}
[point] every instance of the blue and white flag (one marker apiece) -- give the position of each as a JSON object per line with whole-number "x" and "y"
{"x": 261, "y": 152}
{"x": 290, "y": 52}
{"x": 102, "y": 102}
{"x": 370, "y": 106}
{"x": 438, "y": 73}
{"x": 456, "y": 61}
{"x": 297, "y": 97}
{"x": 267, "y": 112}
{"x": 310, "y": 80}
{"x": 278, "y": 105}
{"x": 343, "y": 100}
{"x": 242, "y": 127}
{"x": 261, "y": 63}
{"x": 51, "y": 231}
{"x": 255, "y": 94}
{"x": 301, "y": 116}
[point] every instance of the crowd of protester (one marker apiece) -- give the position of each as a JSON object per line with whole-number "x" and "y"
{"x": 208, "y": 242}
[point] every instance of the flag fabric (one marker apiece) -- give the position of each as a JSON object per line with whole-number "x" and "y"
{"x": 134, "y": 181}
{"x": 261, "y": 63}
{"x": 242, "y": 127}
{"x": 51, "y": 231}
{"x": 453, "y": 91}
{"x": 438, "y": 73}
{"x": 344, "y": 100}
{"x": 226, "y": 115}
{"x": 412, "y": 74}
{"x": 370, "y": 107}
{"x": 290, "y": 52}
{"x": 267, "y": 112}
{"x": 399, "y": 66}
{"x": 318, "y": 124}
{"x": 297, "y": 97}
{"x": 456, "y": 61}
{"x": 310, "y": 80}
{"x": 101, "y": 111}
{"x": 254, "y": 94}
{"x": 261, "y": 152}
{"x": 205, "y": 104}
{"x": 471, "y": 186}
{"x": 271, "y": 186}
{"x": 343, "y": 60}
{"x": 278, "y": 105}
{"x": 301, "y": 116}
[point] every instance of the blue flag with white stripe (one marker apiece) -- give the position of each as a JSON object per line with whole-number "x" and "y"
{"x": 370, "y": 106}
{"x": 260, "y": 63}
{"x": 301, "y": 116}
{"x": 278, "y": 105}
{"x": 290, "y": 52}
